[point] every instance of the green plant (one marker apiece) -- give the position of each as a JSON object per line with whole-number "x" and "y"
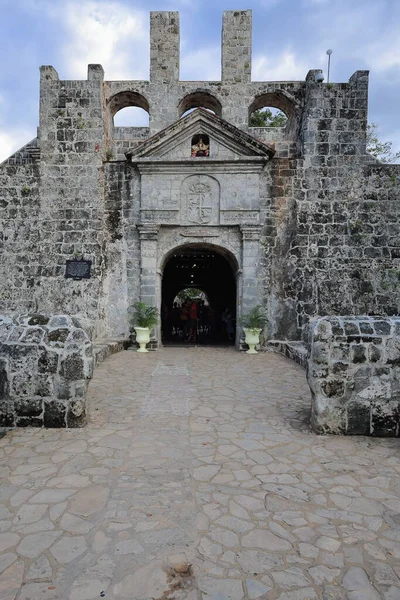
{"x": 25, "y": 191}
{"x": 109, "y": 154}
{"x": 355, "y": 227}
{"x": 380, "y": 150}
{"x": 144, "y": 316}
{"x": 256, "y": 318}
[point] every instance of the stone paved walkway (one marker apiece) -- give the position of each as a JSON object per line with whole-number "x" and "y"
{"x": 204, "y": 457}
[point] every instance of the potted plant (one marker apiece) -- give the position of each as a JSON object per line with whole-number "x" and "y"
{"x": 253, "y": 323}
{"x": 144, "y": 318}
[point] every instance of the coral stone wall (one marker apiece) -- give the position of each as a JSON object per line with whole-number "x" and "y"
{"x": 329, "y": 217}
{"x": 354, "y": 375}
{"x": 45, "y": 366}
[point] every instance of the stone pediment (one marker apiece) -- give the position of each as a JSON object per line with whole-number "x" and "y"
{"x": 227, "y": 142}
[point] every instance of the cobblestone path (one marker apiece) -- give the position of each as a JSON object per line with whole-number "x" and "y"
{"x": 204, "y": 457}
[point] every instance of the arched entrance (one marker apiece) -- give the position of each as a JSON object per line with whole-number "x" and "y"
{"x": 208, "y": 269}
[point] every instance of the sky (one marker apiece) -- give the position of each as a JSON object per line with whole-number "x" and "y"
{"x": 289, "y": 38}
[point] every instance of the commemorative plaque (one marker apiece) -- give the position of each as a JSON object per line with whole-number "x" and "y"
{"x": 78, "y": 269}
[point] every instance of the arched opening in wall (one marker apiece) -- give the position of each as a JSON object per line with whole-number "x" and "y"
{"x": 274, "y": 114}
{"x": 268, "y": 116}
{"x": 200, "y": 99}
{"x": 131, "y": 116}
{"x": 128, "y": 111}
{"x": 199, "y": 296}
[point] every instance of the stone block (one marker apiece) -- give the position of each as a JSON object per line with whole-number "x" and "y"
{"x": 41, "y": 375}
{"x": 57, "y": 337}
{"x": 333, "y": 387}
{"x": 29, "y": 422}
{"x": 28, "y": 407}
{"x": 382, "y": 327}
{"x": 320, "y": 353}
{"x": 48, "y": 361}
{"x": 72, "y": 367}
{"x": 358, "y": 418}
{"x": 393, "y": 351}
{"x": 54, "y": 414}
{"x": 385, "y": 418}
{"x": 7, "y": 417}
{"x": 361, "y": 397}
{"x": 76, "y": 413}
{"x": 374, "y": 353}
{"x": 358, "y": 353}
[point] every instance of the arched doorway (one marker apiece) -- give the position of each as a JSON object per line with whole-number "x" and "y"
{"x": 210, "y": 271}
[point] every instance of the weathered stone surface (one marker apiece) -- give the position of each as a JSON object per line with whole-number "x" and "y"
{"x": 362, "y": 396}
{"x": 40, "y": 569}
{"x": 89, "y": 501}
{"x": 95, "y": 512}
{"x": 150, "y": 581}
{"x": 32, "y": 546}
{"x": 314, "y": 216}
{"x": 49, "y": 373}
{"x": 10, "y": 581}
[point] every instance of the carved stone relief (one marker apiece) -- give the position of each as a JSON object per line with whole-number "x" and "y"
{"x": 200, "y": 197}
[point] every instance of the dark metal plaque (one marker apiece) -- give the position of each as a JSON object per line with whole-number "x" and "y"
{"x": 78, "y": 269}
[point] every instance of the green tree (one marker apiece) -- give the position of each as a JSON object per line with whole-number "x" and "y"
{"x": 189, "y": 294}
{"x": 266, "y": 118}
{"x": 380, "y": 150}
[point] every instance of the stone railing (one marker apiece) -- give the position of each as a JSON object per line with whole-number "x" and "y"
{"x": 45, "y": 366}
{"x": 354, "y": 375}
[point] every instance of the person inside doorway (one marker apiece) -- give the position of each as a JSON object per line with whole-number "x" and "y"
{"x": 176, "y": 320}
{"x": 185, "y": 318}
{"x": 193, "y": 321}
{"x": 228, "y": 319}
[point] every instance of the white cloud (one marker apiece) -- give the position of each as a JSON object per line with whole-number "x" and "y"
{"x": 201, "y": 65}
{"x": 284, "y": 67}
{"x": 359, "y": 29}
{"x": 12, "y": 141}
{"x": 108, "y": 33}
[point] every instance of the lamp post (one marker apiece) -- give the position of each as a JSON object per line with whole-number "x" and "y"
{"x": 329, "y": 52}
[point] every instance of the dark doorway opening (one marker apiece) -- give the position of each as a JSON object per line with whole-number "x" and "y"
{"x": 198, "y": 298}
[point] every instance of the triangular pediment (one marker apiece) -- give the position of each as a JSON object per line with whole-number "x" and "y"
{"x": 225, "y": 140}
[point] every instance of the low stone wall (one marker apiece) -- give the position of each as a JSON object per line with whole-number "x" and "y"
{"x": 45, "y": 366}
{"x": 354, "y": 375}
{"x": 293, "y": 350}
{"x": 103, "y": 349}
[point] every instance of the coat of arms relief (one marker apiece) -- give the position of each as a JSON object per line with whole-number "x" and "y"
{"x": 200, "y": 199}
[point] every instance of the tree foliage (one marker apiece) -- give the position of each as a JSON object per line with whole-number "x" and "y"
{"x": 266, "y": 118}
{"x": 380, "y": 150}
{"x": 190, "y": 294}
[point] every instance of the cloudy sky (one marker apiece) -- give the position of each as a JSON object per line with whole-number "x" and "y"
{"x": 289, "y": 38}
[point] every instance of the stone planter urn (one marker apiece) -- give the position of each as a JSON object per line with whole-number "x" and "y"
{"x": 142, "y": 338}
{"x": 253, "y": 323}
{"x": 252, "y": 338}
{"x": 144, "y": 319}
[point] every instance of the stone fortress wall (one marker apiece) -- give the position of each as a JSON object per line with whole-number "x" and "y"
{"x": 329, "y": 240}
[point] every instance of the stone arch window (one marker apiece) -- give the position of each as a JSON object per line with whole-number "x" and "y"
{"x": 200, "y": 146}
{"x": 132, "y": 109}
{"x": 199, "y": 99}
{"x": 280, "y": 116}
